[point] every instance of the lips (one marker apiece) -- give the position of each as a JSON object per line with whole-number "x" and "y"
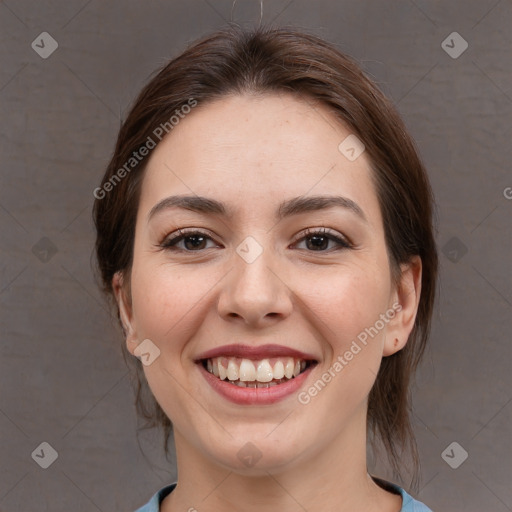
{"x": 255, "y": 375}
{"x": 254, "y": 353}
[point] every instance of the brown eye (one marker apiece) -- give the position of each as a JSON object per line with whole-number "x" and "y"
{"x": 193, "y": 241}
{"x": 319, "y": 240}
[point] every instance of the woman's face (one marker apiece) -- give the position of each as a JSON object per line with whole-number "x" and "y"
{"x": 259, "y": 274}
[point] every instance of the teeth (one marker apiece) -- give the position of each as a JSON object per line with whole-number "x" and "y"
{"x": 232, "y": 372}
{"x": 288, "y": 369}
{"x": 247, "y": 370}
{"x": 248, "y": 373}
{"x": 279, "y": 370}
{"x": 264, "y": 372}
{"x": 222, "y": 370}
{"x": 296, "y": 370}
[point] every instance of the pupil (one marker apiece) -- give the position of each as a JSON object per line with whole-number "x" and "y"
{"x": 198, "y": 241}
{"x": 317, "y": 242}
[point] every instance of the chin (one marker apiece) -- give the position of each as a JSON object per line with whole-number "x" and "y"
{"x": 256, "y": 456}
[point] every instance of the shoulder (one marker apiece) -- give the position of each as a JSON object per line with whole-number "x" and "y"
{"x": 409, "y": 504}
{"x": 153, "y": 505}
{"x": 412, "y": 505}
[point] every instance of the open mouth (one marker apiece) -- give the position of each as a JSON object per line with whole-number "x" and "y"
{"x": 263, "y": 373}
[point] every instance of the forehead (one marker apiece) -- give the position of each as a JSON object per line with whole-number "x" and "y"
{"x": 256, "y": 149}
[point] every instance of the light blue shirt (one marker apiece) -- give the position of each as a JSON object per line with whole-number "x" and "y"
{"x": 409, "y": 504}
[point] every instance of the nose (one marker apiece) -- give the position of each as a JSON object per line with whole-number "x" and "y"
{"x": 255, "y": 292}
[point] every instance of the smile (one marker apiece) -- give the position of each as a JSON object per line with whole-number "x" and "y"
{"x": 263, "y": 373}
{"x": 255, "y": 375}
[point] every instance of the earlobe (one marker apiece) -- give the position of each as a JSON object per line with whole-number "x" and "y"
{"x": 125, "y": 311}
{"x": 407, "y": 295}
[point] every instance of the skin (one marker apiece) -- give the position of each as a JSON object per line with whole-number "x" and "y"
{"x": 252, "y": 152}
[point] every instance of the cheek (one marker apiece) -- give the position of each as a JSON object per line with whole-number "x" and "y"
{"x": 347, "y": 301}
{"x": 347, "y": 304}
{"x": 165, "y": 298}
{"x": 346, "y": 309}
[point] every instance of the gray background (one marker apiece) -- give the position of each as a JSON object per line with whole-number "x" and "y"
{"x": 62, "y": 376}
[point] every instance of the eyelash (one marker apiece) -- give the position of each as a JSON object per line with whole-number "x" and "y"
{"x": 170, "y": 242}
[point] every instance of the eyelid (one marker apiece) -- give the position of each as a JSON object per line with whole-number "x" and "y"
{"x": 342, "y": 239}
{"x": 181, "y": 233}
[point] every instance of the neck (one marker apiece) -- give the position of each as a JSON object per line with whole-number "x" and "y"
{"x": 333, "y": 478}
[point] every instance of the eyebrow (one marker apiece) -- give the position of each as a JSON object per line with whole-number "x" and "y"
{"x": 287, "y": 208}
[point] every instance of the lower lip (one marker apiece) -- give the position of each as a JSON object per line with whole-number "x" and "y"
{"x": 255, "y": 396}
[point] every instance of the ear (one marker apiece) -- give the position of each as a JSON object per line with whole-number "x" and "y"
{"x": 125, "y": 310}
{"x": 405, "y": 300}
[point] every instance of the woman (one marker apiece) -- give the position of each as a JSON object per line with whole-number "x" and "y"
{"x": 265, "y": 227}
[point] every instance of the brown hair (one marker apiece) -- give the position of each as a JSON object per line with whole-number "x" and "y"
{"x": 264, "y": 60}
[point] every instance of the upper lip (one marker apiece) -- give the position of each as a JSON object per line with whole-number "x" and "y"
{"x": 254, "y": 352}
